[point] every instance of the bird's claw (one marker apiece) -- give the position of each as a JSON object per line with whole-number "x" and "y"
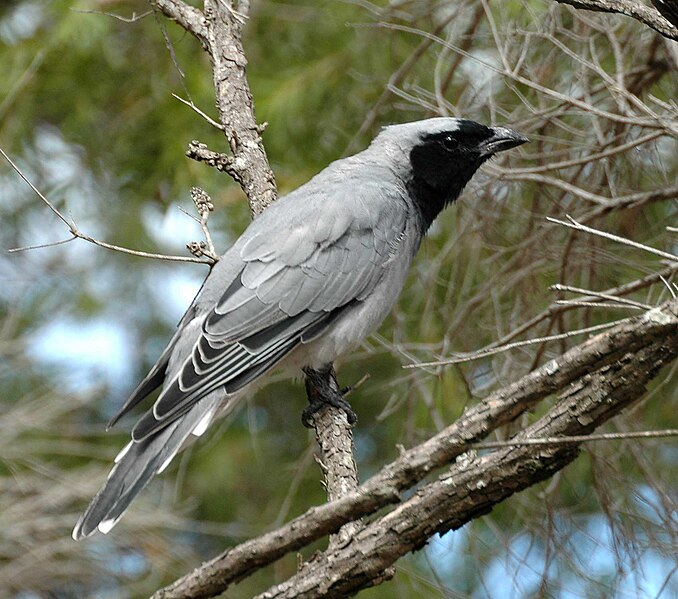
{"x": 336, "y": 401}
{"x": 322, "y": 390}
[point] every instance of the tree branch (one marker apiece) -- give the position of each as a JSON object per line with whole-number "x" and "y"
{"x": 473, "y": 486}
{"x": 188, "y": 17}
{"x": 78, "y": 234}
{"x": 658, "y": 326}
{"x": 219, "y": 30}
{"x": 334, "y": 435}
{"x": 636, "y": 10}
{"x": 234, "y": 102}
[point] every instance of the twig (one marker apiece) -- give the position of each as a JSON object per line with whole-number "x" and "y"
{"x": 559, "y": 184}
{"x": 632, "y": 200}
{"x": 37, "y": 191}
{"x": 208, "y": 118}
{"x": 669, "y": 432}
{"x": 580, "y": 304}
{"x": 573, "y": 224}
{"x": 565, "y": 99}
{"x": 555, "y": 309}
{"x": 76, "y": 233}
{"x": 601, "y": 294}
{"x": 483, "y": 353}
{"x": 40, "y": 246}
{"x": 133, "y": 19}
{"x": 396, "y": 79}
{"x": 669, "y": 287}
{"x": 617, "y": 149}
{"x": 26, "y": 76}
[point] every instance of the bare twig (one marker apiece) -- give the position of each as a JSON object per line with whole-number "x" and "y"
{"x": 556, "y": 309}
{"x": 589, "y": 158}
{"x": 21, "y": 82}
{"x": 40, "y": 246}
{"x": 580, "y": 304}
{"x": 483, "y": 353}
{"x": 77, "y": 234}
{"x": 573, "y": 224}
{"x": 671, "y": 129}
{"x": 669, "y": 432}
{"x": 133, "y": 19}
{"x": 208, "y": 118}
{"x": 601, "y": 294}
{"x": 37, "y": 192}
{"x": 671, "y": 288}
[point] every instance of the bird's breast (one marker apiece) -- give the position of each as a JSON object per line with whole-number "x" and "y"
{"x": 363, "y": 317}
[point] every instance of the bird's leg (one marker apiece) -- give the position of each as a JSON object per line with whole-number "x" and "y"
{"x": 322, "y": 389}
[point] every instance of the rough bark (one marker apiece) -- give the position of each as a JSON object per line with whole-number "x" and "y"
{"x": 647, "y": 15}
{"x": 219, "y": 30}
{"x": 334, "y": 435}
{"x": 473, "y": 486}
{"x": 610, "y": 369}
{"x": 234, "y": 102}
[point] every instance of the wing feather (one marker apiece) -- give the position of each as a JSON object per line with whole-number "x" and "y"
{"x": 294, "y": 281}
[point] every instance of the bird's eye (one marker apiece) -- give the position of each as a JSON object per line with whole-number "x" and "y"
{"x": 450, "y": 143}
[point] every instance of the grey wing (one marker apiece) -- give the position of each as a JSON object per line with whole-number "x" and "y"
{"x": 294, "y": 282}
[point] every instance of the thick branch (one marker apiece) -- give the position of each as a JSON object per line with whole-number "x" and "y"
{"x": 472, "y": 487}
{"x": 189, "y": 17}
{"x": 235, "y": 105}
{"x": 631, "y": 8}
{"x": 219, "y": 30}
{"x": 414, "y": 464}
{"x": 334, "y": 435}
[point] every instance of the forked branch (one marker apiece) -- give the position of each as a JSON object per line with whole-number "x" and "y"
{"x": 632, "y": 351}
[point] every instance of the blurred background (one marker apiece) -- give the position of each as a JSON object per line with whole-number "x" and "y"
{"x": 87, "y": 114}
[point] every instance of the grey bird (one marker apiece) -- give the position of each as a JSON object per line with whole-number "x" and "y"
{"x": 306, "y": 282}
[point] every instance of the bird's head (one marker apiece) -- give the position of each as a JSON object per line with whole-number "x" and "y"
{"x": 439, "y": 156}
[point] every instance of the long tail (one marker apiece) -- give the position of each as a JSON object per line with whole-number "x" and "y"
{"x": 136, "y": 465}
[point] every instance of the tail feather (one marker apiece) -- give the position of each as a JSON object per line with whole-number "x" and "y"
{"x": 135, "y": 468}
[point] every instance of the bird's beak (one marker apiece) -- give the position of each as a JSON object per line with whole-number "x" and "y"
{"x": 503, "y": 139}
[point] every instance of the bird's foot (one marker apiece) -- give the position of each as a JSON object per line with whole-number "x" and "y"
{"x": 336, "y": 401}
{"x": 322, "y": 390}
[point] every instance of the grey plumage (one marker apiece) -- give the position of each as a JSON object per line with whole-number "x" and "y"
{"x": 306, "y": 282}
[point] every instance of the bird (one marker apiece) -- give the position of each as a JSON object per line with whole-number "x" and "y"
{"x": 311, "y": 277}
